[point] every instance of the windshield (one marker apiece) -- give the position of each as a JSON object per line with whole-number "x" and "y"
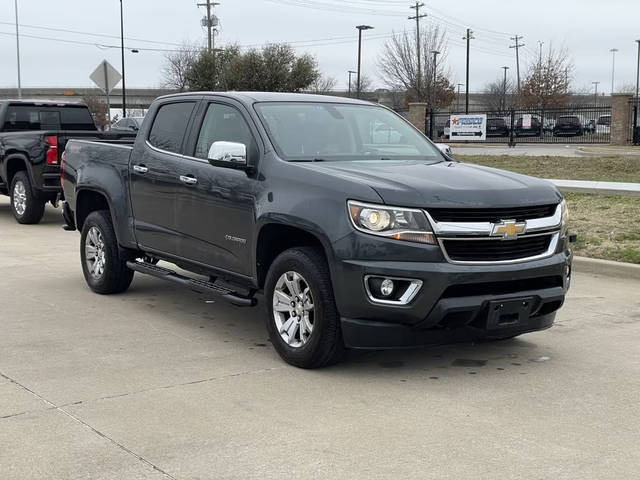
{"x": 334, "y": 131}
{"x": 604, "y": 120}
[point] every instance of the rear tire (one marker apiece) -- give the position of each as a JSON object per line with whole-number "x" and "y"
{"x": 301, "y": 277}
{"x": 25, "y": 206}
{"x": 105, "y": 271}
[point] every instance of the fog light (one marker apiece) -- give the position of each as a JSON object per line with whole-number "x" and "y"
{"x": 386, "y": 287}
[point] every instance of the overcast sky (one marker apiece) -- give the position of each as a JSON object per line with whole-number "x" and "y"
{"x": 588, "y": 28}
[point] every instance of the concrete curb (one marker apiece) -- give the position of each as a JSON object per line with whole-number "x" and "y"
{"x": 599, "y": 188}
{"x": 606, "y": 268}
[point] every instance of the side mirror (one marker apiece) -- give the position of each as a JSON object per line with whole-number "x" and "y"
{"x": 228, "y": 154}
{"x": 444, "y": 148}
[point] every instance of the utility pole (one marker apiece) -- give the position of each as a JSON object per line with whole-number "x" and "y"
{"x": 613, "y": 68}
{"x": 435, "y": 78}
{"x": 504, "y": 89}
{"x": 124, "y": 87}
{"x": 18, "y": 52}
{"x": 468, "y": 37}
{"x": 208, "y": 22}
{"x": 540, "y": 43}
{"x": 458, "y": 102}
{"x": 351, "y": 72}
{"x": 517, "y": 47}
{"x": 417, "y": 18}
{"x": 595, "y": 95}
{"x": 635, "y": 111}
{"x": 360, "y": 29}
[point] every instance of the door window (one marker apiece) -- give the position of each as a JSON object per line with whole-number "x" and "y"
{"x": 222, "y": 123}
{"x": 170, "y": 125}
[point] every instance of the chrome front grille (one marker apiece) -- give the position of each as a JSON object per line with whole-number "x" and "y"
{"x": 467, "y": 236}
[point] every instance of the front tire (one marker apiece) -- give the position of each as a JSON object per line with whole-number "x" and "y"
{"x": 303, "y": 321}
{"x": 25, "y": 206}
{"x": 105, "y": 271}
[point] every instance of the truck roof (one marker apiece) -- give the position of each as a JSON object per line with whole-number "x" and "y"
{"x": 255, "y": 97}
{"x": 48, "y": 103}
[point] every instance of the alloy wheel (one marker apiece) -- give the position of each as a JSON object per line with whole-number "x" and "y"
{"x": 293, "y": 309}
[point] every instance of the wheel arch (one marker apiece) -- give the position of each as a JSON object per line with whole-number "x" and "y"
{"x": 14, "y": 163}
{"x": 89, "y": 200}
{"x": 274, "y": 238}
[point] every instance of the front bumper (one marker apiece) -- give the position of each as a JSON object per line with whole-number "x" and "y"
{"x": 453, "y": 303}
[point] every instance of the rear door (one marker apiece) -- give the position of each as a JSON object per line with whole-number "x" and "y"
{"x": 154, "y": 178}
{"x": 217, "y": 217}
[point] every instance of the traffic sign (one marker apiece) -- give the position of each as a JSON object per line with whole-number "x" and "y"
{"x": 105, "y": 76}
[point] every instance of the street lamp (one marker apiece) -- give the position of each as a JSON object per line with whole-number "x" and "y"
{"x": 432, "y": 107}
{"x": 360, "y": 29}
{"x": 613, "y": 68}
{"x": 595, "y": 95}
{"x": 351, "y": 72}
{"x": 504, "y": 88}
{"x": 124, "y": 88}
{"x": 18, "y": 52}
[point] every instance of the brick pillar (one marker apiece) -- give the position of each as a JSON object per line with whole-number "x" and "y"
{"x": 620, "y": 119}
{"x": 417, "y": 113}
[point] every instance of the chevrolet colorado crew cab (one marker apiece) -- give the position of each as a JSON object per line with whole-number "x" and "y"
{"x": 33, "y": 135}
{"x": 358, "y": 231}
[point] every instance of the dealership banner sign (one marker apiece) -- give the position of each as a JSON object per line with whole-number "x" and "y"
{"x": 468, "y": 127}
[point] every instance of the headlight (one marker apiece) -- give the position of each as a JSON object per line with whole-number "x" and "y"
{"x": 565, "y": 216}
{"x": 398, "y": 223}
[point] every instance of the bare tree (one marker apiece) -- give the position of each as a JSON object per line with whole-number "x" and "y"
{"x": 177, "y": 65}
{"x": 98, "y": 108}
{"x": 398, "y": 64}
{"x": 323, "y": 85}
{"x": 499, "y": 95}
{"x": 547, "y": 82}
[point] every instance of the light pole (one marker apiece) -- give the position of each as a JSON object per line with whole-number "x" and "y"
{"x": 595, "y": 95}
{"x": 432, "y": 107}
{"x": 613, "y": 67}
{"x": 635, "y": 114}
{"x": 458, "y": 103}
{"x": 351, "y": 72}
{"x": 18, "y": 52}
{"x": 360, "y": 29}
{"x": 124, "y": 87}
{"x": 504, "y": 89}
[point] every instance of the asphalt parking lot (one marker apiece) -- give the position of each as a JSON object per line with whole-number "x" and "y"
{"x": 155, "y": 383}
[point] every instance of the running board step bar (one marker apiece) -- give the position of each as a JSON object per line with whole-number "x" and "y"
{"x": 200, "y": 286}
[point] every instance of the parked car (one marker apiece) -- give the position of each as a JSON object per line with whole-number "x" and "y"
{"x": 497, "y": 127}
{"x": 128, "y": 124}
{"x": 548, "y": 125}
{"x": 569, "y": 125}
{"x": 535, "y": 130}
{"x": 444, "y": 129}
{"x": 32, "y": 138}
{"x": 354, "y": 244}
{"x": 603, "y": 125}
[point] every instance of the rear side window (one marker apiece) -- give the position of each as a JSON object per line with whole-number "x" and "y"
{"x": 170, "y": 126}
{"x": 47, "y": 117}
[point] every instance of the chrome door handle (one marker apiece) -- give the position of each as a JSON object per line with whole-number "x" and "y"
{"x": 140, "y": 169}
{"x": 188, "y": 180}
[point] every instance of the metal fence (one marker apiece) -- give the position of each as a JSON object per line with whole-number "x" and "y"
{"x": 579, "y": 124}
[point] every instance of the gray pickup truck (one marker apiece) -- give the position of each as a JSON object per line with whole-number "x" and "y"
{"x": 357, "y": 231}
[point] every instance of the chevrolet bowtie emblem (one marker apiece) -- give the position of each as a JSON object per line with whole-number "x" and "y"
{"x": 508, "y": 229}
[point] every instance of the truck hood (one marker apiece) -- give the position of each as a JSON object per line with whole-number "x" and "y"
{"x": 444, "y": 184}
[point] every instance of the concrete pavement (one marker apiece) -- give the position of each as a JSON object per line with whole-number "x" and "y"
{"x": 157, "y": 384}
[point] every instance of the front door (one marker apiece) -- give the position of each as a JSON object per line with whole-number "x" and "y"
{"x": 154, "y": 179}
{"x": 217, "y": 215}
